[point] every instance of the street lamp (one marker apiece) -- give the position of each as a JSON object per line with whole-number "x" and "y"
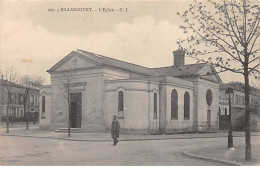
{"x": 7, "y": 107}
{"x": 230, "y": 95}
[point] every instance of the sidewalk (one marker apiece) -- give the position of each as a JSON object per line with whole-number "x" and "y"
{"x": 228, "y": 156}
{"x": 219, "y": 154}
{"x": 103, "y": 137}
{"x": 18, "y": 124}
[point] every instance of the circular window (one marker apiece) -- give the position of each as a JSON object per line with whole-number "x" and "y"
{"x": 209, "y": 97}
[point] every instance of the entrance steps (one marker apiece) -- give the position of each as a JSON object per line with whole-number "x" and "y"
{"x": 72, "y": 130}
{"x": 95, "y": 128}
{"x": 84, "y": 129}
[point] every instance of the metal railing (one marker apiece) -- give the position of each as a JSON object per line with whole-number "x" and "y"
{"x": 183, "y": 126}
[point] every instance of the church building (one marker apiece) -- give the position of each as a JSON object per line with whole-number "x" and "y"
{"x": 146, "y": 100}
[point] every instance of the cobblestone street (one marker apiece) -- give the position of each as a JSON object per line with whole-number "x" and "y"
{"x": 47, "y": 151}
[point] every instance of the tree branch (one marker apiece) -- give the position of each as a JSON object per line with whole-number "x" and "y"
{"x": 254, "y": 68}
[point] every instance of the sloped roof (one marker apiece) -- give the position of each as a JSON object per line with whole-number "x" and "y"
{"x": 238, "y": 86}
{"x": 224, "y": 86}
{"x": 106, "y": 61}
{"x": 184, "y": 70}
{"x": 120, "y": 64}
{"x": 4, "y": 82}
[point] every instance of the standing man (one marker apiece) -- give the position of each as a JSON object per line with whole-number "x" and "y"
{"x": 115, "y": 130}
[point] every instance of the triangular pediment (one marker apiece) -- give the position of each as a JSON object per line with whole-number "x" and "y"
{"x": 209, "y": 73}
{"x": 73, "y": 60}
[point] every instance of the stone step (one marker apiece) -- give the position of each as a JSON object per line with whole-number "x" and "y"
{"x": 95, "y": 128}
{"x": 73, "y": 130}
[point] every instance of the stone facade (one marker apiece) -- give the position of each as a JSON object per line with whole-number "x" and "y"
{"x": 141, "y": 97}
{"x": 45, "y": 107}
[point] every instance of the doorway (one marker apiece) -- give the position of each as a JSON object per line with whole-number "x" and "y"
{"x": 75, "y": 110}
{"x": 209, "y": 119}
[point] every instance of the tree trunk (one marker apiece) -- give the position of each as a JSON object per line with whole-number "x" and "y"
{"x": 69, "y": 125}
{"x": 34, "y": 117}
{"x": 26, "y": 116}
{"x": 12, "y": 120}
{"x": 25, "y": 102}
{"x": 247, "y": 117}
{"x": 7, "y": 118}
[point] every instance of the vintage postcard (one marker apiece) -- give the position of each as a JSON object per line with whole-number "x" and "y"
{"x": 129, "y": 83}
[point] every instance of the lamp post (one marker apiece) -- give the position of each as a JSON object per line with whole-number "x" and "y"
{"x": 229, "y": 95}
{"x": 7, "y": 107}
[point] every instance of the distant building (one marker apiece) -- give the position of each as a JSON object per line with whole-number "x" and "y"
{"x": 146, "y": 100}
{"x": 238, "y": 105}
{"x": 16, "y": 102}
{"x": 45, "y": 106}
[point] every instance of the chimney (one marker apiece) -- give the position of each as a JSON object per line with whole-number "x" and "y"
{"x": 178, "y": 57}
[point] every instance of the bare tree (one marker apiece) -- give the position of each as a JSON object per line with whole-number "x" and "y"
{"x": 228, "y": 31}
{"x": 67, "y": 86}
{"x": 9, "y": 76}
{"x": 29, "y": 82}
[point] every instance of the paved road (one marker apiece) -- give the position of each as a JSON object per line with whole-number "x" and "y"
{"x": 42, "y": 151}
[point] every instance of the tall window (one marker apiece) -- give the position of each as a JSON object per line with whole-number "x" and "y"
{"x": 225, "y": 111}
{"x": 251, "y": 102}
{"x": 15, "y": 98}
{"x": 21, "y": 113}
{"x": 120, "y": 101}
{"x": 32, "y": 100}
{"x": 236, "y": 99}
{"x": 43, "y": 106}
{"x": 20, "y": 99}
{"x": 219, "y": 111}
{"x": 36, "y": 101}
{"x": 209, "y": 97}
{"x": 243, "y": 100}
{"x": 11, "y": 97}
{"x": 186, "y": 105}
{"x": 120, "y": 104}
{"x": 155, "y": 106}
{"x": 174, "y": 104}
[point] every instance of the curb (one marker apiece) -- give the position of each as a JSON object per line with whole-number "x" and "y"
{"x": 105, "y": 140}
{"x": 58, "y": 138}
{"x": 189, "y": 154}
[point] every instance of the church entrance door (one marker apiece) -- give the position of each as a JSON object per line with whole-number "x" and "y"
{"x": 209, "y": 119}
{"x": 75, "y": 110}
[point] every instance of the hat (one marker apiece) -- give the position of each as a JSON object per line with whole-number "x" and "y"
{"x": 115, "y": 116}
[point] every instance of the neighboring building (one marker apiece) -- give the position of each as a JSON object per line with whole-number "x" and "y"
{"x": 45, "y": 107}
{"x": 16, "y": 102}
{"x": 146, "y": 100}
{"x": 238, "y": 106}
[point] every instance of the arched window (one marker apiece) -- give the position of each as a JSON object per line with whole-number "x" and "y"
{"x": 43, "y": 106}
{"x": 174, "y": 104}
{"x": 155, "y": 105}
{"x": 186, "y": 105}
{"x": 121, "y": 104}
{"x": 209, "y": 97}
{"x": 120, "y": 101}
{"x": 225, "y": 111}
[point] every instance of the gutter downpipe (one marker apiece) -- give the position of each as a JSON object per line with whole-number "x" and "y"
{"x": 149, "y": 106}
{"x": 161, "y": 130}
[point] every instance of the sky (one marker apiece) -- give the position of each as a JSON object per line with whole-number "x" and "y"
{"x": 33, "y": 37}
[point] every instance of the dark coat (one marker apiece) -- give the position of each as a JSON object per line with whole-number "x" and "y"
{"x": 115, "y": 126}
